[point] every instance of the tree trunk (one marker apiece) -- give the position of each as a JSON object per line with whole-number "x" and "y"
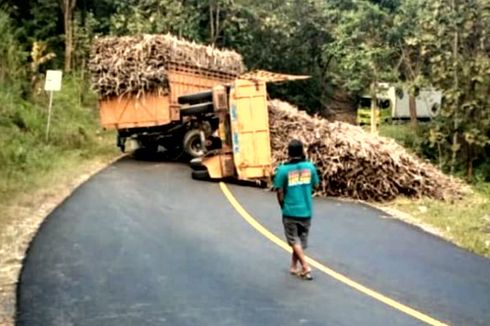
{"x": 374, "y": 108}
{"x": 413, "y": 111}
{"x": 68, "y": 7}
{"x": 217, "y": 27}
{"x": 214, "y": 21}
{"x": 469, "y": 163}
{"x": 455, "y": 144}
{"x": 68, "y": 42}
{"x": 211, "y": 21}
{"x": 323, "y": 68}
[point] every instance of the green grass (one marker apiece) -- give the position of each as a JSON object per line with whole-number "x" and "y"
{"x": 35, "y": 174}
{"x": 402, "y": 133}
{"x": 26, "y": 157}
{"x": 465, "y": 222}
{"x": 412, "y": 139}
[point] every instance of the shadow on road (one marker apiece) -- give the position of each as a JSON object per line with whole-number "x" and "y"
{"x": 144, "y": 155}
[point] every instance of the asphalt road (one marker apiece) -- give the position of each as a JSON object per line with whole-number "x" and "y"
{"x": 141, "y": 243}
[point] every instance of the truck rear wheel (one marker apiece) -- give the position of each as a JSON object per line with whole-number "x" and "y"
{"x": 193, "y": 144}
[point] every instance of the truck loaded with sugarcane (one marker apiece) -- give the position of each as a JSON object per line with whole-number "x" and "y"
{"x": 142, "y": 81}
{"x": 181, "y": 98}
{"x": 197, "y": 101}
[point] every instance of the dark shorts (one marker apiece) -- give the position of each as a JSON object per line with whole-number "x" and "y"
{"x": 296, "y": 230}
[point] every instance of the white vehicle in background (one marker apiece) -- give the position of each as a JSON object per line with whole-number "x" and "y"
{"x": 427, "y": 104}
{"x": 394, "y": 104}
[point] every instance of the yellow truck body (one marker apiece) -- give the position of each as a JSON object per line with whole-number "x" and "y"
{"x": 244, "y": 131}
{"x": 246, "y": 152}
{"x": 249, "y": 119}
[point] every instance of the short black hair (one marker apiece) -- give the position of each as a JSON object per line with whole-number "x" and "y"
{"x": 295, "y": 149}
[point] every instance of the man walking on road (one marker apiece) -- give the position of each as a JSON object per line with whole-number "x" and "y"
{"x": 294, "y": 182}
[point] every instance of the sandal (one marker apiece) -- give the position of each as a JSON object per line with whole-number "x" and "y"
{"x": 306, "y": 275}
{"x": 294, "y": 272}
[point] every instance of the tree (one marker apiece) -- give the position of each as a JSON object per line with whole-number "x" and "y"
{"x": 455, "y": 43}
{"x": 68, "y": 8}
{"x": 410, "y": 63}
{"x": 285, "y": 36}
{"x": 215, "y": 18}
{"x": 362, "y": 50}
{"x": 155, "y": 16}
{"x": 12, "y": 57}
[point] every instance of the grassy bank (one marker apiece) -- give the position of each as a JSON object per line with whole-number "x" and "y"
{"x": 465, "y": 222}
{"x": 28, "y": 160}
{"x": 37, "y": 174}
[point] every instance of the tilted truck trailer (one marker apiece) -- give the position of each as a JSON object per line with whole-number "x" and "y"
{"x": 139, "y": 81}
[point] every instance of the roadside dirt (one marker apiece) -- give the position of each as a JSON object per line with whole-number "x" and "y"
{"x": 24, "y": 218}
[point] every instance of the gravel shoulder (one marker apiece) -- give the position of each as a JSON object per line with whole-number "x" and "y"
{"x": 22, "y": 218}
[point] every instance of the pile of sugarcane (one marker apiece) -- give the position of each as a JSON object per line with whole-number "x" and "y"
{"x": 353, "y": 163}
{"x": 138, "y": 64}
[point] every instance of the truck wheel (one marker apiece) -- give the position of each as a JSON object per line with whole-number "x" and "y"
{"x": 192, "y": 143}
{"x": 196, "y": 98}
{"x": 200, "y": 175}
{"x": 196, "y": 164}
{"x": 195, "y": 109}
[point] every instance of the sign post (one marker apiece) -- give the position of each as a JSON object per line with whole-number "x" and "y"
{"x": 52, "y": 83}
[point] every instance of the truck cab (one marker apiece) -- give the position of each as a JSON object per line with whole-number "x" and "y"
{"x": 243, "y": 135}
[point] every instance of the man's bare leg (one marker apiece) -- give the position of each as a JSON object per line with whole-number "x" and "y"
{"x": 300, "y": 255}
{"x": 294, "y": 263}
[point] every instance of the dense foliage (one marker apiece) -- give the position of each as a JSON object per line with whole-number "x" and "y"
{"x": 347, "y": 46}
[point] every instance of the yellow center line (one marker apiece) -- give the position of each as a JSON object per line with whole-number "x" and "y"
{"x": 342, "y": 278}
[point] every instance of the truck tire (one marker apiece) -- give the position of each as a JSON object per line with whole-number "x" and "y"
{"x": 195, "y": 109}
{"x": 200, "y": 175}
{"x": 196, "y": 164}
{"x": 192, "y": 143}
{"x": 206, "y": 96}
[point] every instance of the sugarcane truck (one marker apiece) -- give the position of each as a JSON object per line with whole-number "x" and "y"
{"x": 219, "y": 120}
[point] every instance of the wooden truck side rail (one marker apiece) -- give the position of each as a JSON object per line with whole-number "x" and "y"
{"x": 153, "y": 109}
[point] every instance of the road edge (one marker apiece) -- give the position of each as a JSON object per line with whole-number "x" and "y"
{"x": 13, "y": 259}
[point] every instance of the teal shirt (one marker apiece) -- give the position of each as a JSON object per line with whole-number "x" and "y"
{"x": 297, "y": 181}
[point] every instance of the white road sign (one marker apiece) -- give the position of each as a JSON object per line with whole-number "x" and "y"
{"x": 53, "y": 80}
